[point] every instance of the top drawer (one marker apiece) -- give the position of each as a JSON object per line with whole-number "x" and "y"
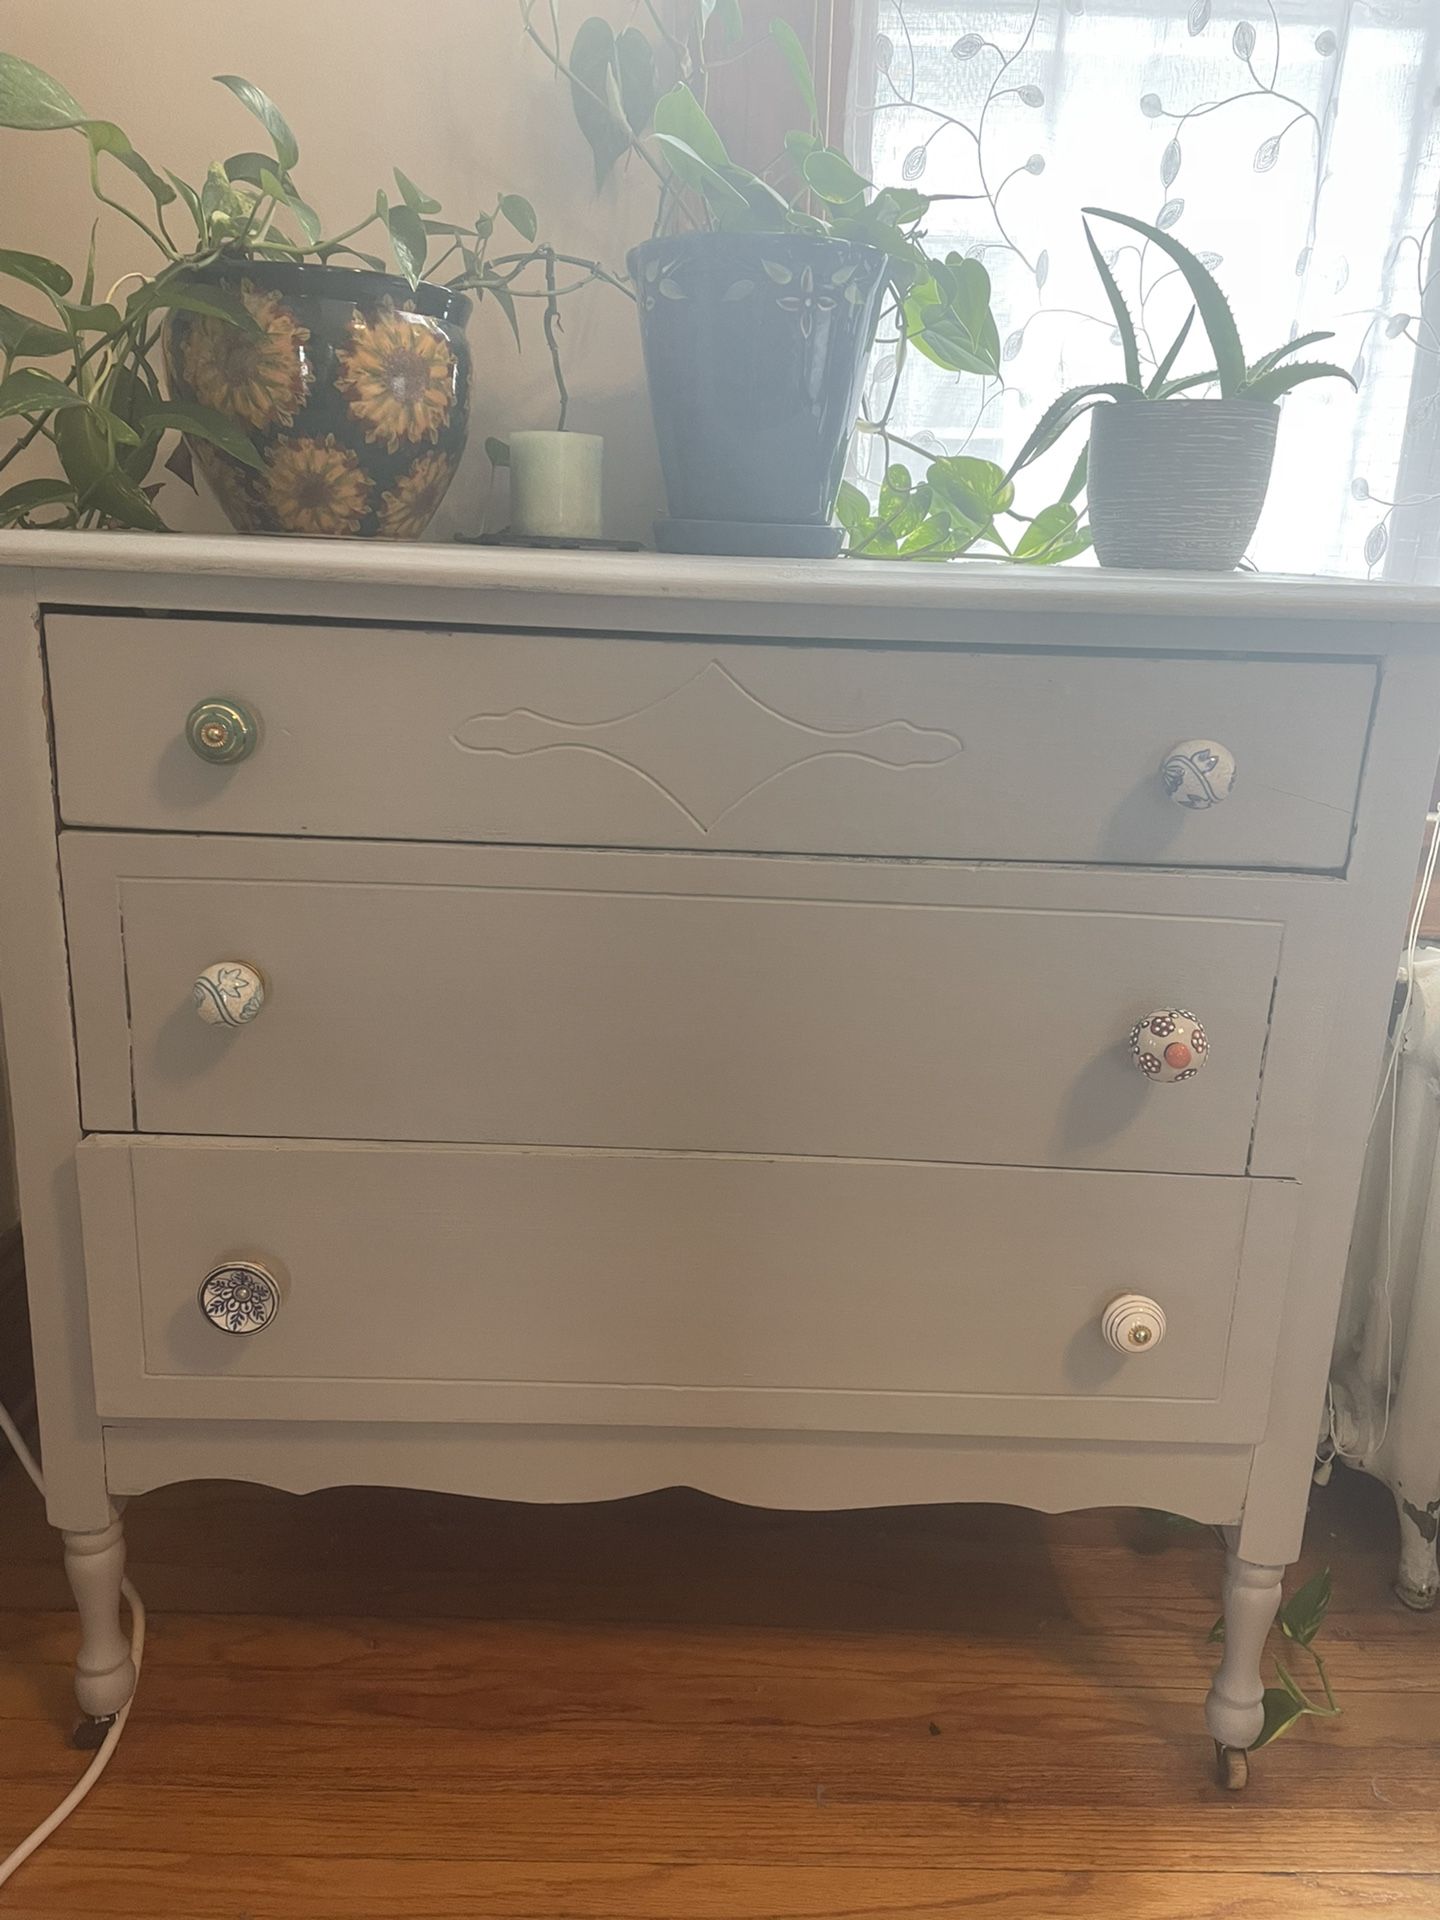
{"x": 750, "y": 747}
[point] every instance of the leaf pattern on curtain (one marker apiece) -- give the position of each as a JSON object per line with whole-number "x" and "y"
{"x": 1293, "y": 144}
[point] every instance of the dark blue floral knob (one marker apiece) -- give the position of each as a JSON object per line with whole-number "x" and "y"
{"x": 239, "y": 1297}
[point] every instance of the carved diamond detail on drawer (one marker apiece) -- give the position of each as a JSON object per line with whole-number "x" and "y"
{"x": 708, "y": 746}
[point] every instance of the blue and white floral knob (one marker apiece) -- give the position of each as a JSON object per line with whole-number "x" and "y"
{"x": 1169, "y": 1045}
{"x": 1198, "y": 774}
{"x": 229, "y": 994}
{"x": 239, "y": 1297}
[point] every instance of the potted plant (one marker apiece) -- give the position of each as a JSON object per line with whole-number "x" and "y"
{"x": 759, "y": 306}
{"x": 1177, "y": 480}
{"x": 317, "y": 397}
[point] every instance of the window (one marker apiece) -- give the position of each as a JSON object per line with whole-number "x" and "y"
{"x": 1295, "y": 144}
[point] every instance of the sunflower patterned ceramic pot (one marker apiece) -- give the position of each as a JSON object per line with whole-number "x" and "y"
{"x": 355, "y": 393}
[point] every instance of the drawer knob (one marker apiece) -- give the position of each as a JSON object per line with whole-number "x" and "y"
{"x": 229, "y": 994}
{"x": 239, "y": 1297}
{"x": 222, "y": 732}
{"x": 1169, "y": 1045}
{"x": 1198, "y": 774}
{"x": 1132, "y": 1323}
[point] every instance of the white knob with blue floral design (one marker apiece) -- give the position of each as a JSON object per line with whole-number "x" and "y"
{"x": 239, "y": 1297}
{"x": 229, "y": 994}
{"x": 1133, "y": 1323}
{"x": 1169, "y": 1044}
{"x": 1198, "y": 774}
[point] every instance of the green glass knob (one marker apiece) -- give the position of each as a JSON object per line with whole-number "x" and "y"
{"x": 222, "y": 732}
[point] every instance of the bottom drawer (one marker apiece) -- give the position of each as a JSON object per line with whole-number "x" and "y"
{"x": 549, "y": 1286}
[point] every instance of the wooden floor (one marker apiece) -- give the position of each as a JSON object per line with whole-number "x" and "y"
{"x": 374, "y": 1704}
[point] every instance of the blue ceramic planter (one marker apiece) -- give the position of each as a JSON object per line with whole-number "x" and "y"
{"x": 755, "y": 351}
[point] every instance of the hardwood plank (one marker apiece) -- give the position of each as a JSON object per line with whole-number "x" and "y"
{"x": 370, "y": 1702}
{"x": 407, "y": 1889}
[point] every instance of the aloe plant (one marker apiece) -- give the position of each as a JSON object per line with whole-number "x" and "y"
{"x": 1265, "y": 380}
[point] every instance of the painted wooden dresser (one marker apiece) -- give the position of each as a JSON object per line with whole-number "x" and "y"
{"x": 557, "y": 1027}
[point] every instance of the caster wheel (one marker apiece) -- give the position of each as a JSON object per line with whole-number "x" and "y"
{"x": 1232, "y": 1767}
{"x": 90, "y": 1734}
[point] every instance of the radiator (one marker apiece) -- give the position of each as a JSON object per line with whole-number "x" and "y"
{"x": 1384, "y": 1410}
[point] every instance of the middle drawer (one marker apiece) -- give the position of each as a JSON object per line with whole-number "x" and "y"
{"x": 658, "y": 1001}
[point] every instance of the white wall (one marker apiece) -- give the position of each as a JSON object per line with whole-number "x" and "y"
{"x": 448, "y": 91}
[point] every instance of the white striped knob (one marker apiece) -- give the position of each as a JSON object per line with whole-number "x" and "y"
{"x": 229, "y": 994}
{"x": 1132, "y": 1323}
{"x": 1198, "y": 774}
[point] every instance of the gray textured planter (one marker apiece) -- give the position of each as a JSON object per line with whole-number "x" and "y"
{"x": 1179, "y": 483}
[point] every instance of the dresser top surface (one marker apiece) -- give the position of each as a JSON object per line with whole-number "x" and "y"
{"x": 854, "y": 586}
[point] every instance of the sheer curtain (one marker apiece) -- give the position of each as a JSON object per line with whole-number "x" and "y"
{"x": 1295, "y": 144}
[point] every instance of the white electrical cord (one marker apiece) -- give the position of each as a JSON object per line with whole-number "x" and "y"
{"x": 106, "y": 1749}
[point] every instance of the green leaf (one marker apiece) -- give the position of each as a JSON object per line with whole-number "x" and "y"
{"x": 1062, "y": 414}
{"x": 18, "y": 501}
{"x": 306, "y": 215}
{"x": 1074, "y": 487}
{"x": 92, "y": 319}
{"x": 1282, "y": 380}
{"x": 1216, "y": 1635}
{"x": 35, "y": 270}
{"x": 117, "y": 496}
{"x": 688, "y": 166}
{"x": 902, "y": 207}
{"x": 1303, "y": 1615}
{"x": 491, "y": 283}
{"x": 1162, "y": 372}
{"x": 521, "y": 215}
{"x": 417, "y": 201}
{"x": 497, "y": 452}
{"x": 188, "y": 296}
{"x": 287, "y": 150}
{"x": 939, "y": 314}
{"x": 105, "y": 137}
{"x": 680, "y": 115}
{"x": 192, "y": 201}
{"x": 30, "y": 390}
{"x": 727, "y": 19}
{"x": 201, "y": 423}
{"x": 1215, "y": 311}
{"x": 249, "y": 167}
{"x": 31, "y": 100}
{"x": 1129, "y": 345}
{"x": 1052, "y": 527}
{"x": 639, "y": 87}
{"x": 594, "y": 71}
{"x": 407, "y": 239}
{"x": 831, "y": 178}
{"x": 1281, "y": 1713}
{"x": 977, "y": 489}
{"x": 788, "y": 41}
{"x": 852, "y": 509}
{"x": 22, "y": 338}
{"x": 1269, "y": 360}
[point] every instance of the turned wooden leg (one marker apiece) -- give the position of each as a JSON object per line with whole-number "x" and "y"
{"x": 1233, "y": 1707}
{"x": 104, "y": 1672}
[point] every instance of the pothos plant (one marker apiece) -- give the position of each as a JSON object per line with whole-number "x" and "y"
{"x": 1299, "y": 1622}
{"x": 640, "y": 95}
{"x": 82, "y": 378}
